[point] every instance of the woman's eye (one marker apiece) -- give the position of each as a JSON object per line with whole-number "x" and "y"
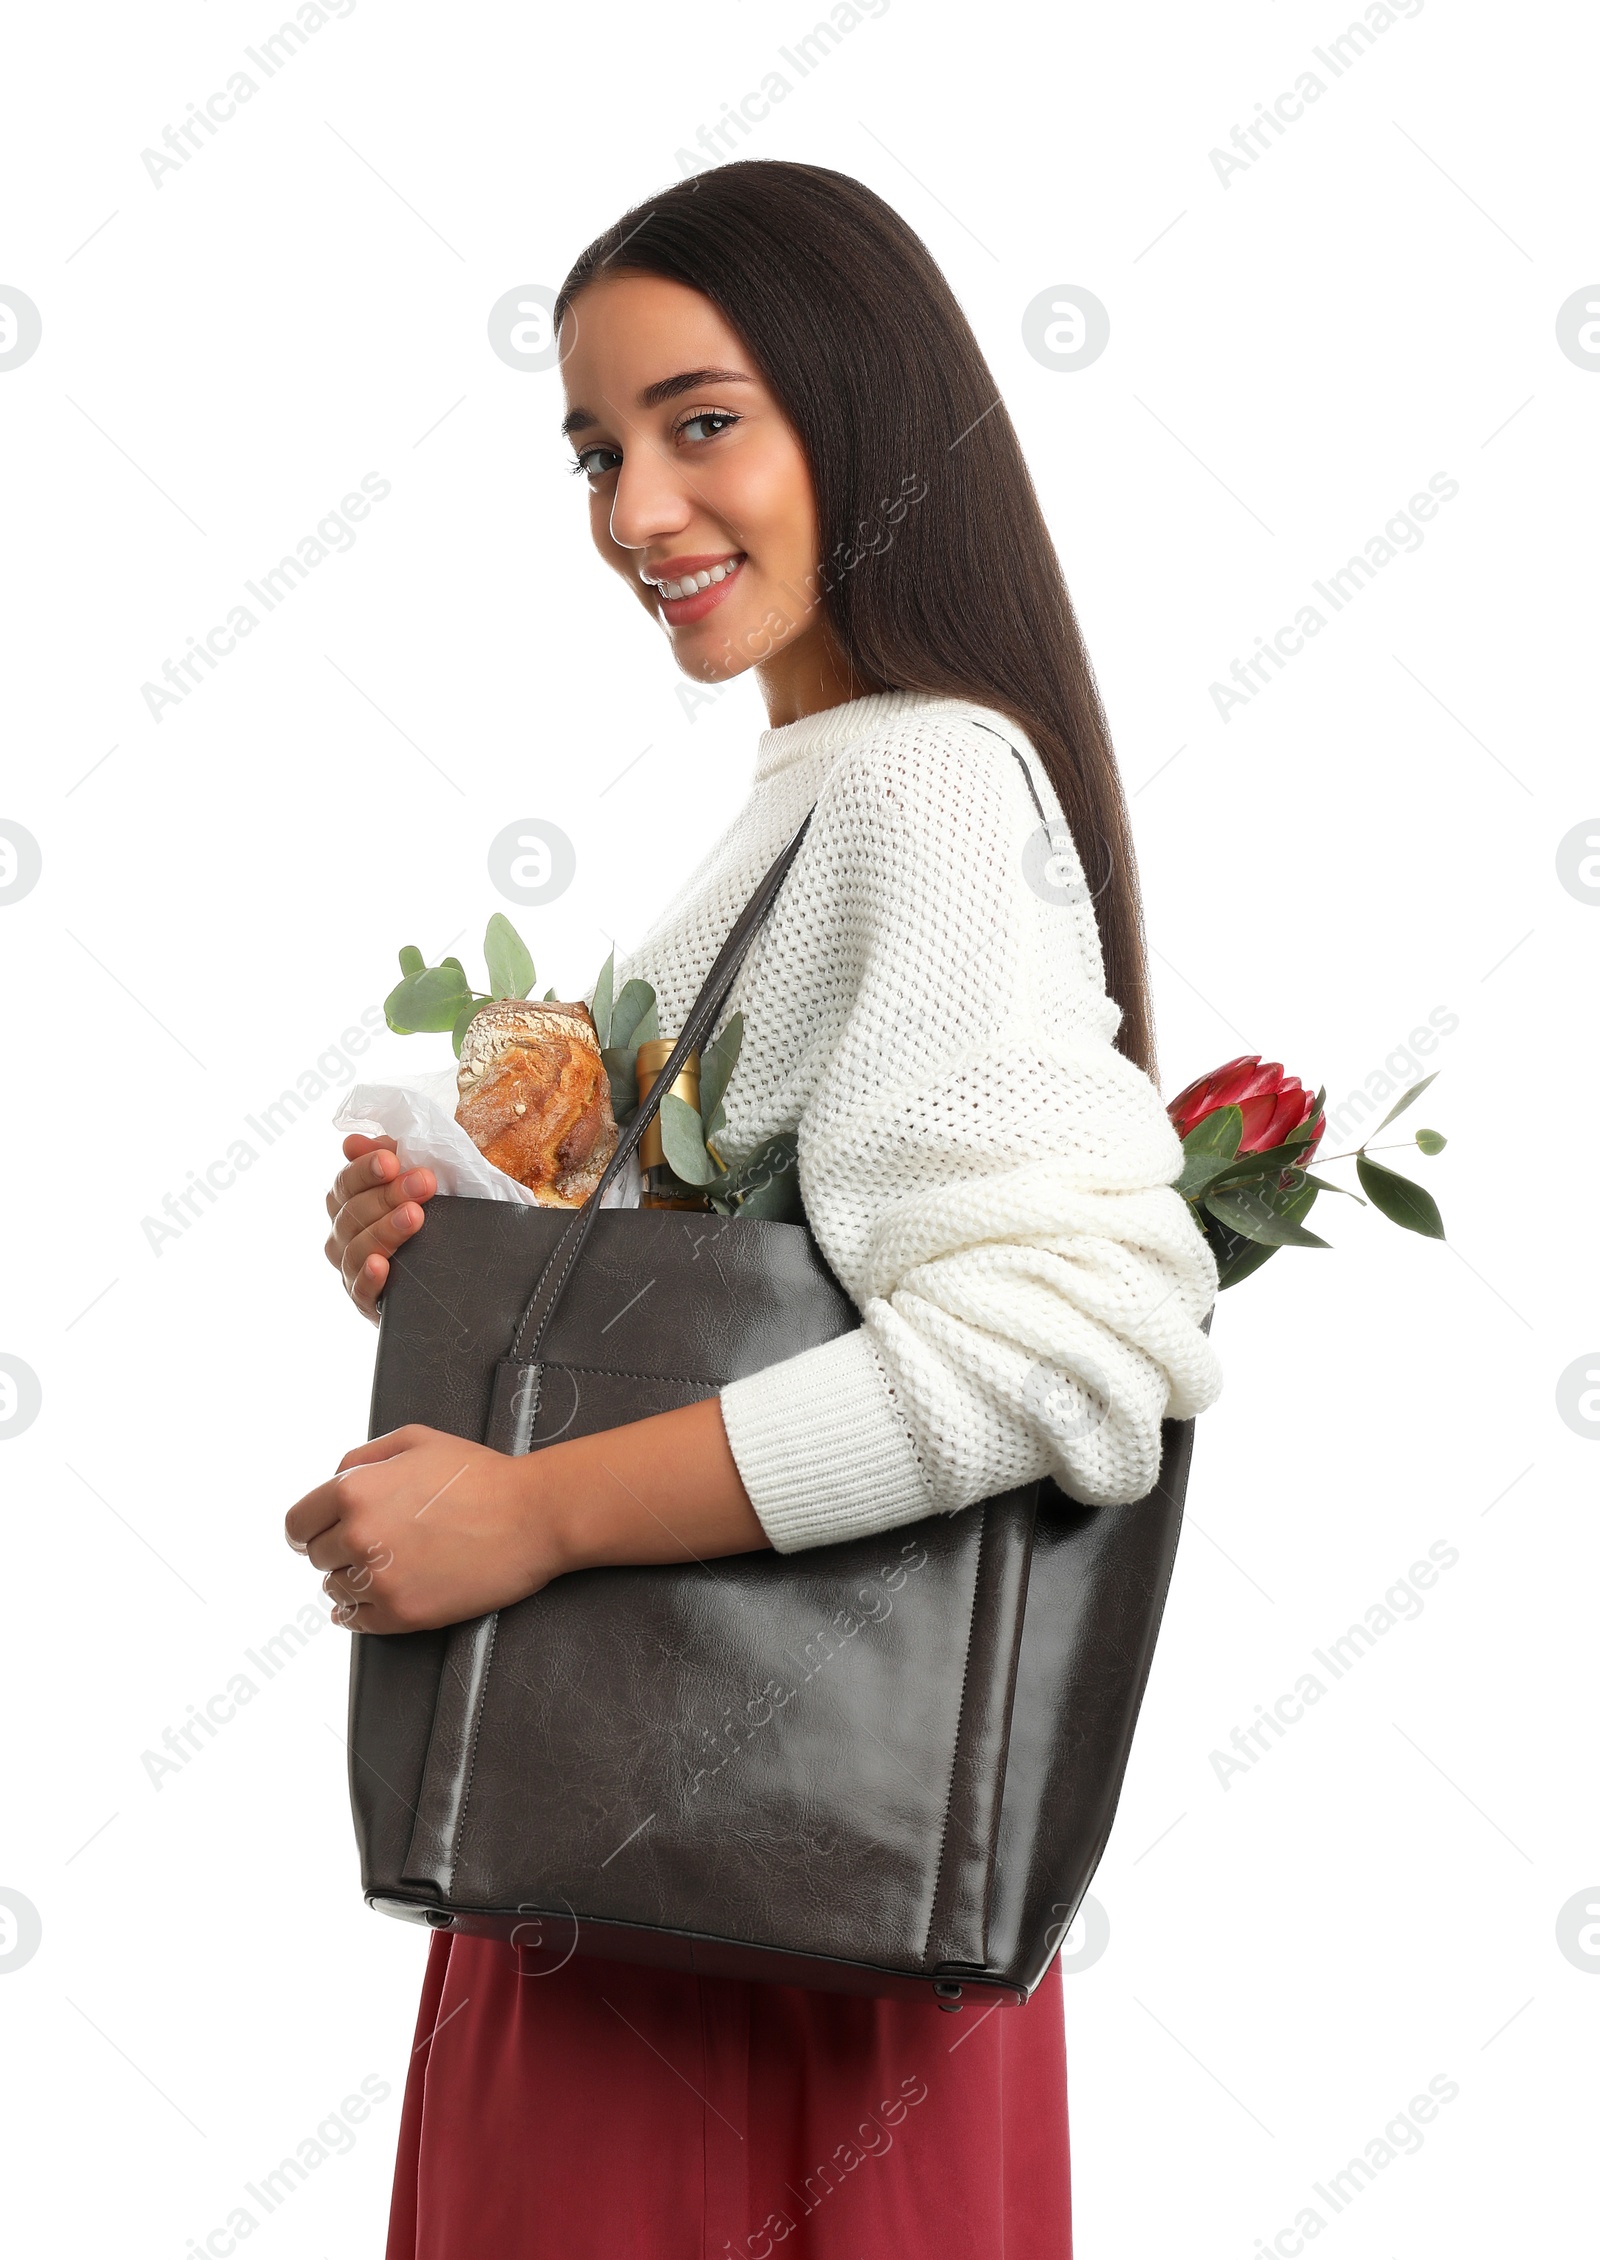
{"x": 721, "y": 417}
{"x": 587, "y": 465}
{"x": 596, "y": 462}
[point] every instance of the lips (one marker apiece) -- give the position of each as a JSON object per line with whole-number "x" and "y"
{"x": 683, "y": 611}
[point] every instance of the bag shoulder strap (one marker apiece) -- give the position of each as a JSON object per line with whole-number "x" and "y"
{"x": 700, "y": 1019}
{"x": 1021, "y": 762}
{"x": 702, "y": 1015}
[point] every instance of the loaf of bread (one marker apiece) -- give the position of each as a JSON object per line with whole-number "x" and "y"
{"x": 535, "y": 1098}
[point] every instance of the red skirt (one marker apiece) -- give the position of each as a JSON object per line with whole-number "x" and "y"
{"x": 599, "y": 2109}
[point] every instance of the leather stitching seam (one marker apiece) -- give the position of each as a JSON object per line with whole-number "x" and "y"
{"x": 622, "y": 1373}
{"x": 472, "y": 1757}
{"x": 956, "y": 1754}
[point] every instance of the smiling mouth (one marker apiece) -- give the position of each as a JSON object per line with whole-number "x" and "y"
{"x": 691, "y": 598}
{"x": 689, "y": 582}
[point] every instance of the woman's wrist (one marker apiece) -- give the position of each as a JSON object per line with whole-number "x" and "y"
{"x": 661, "y": 1490}
{"x": 550, "y": 1520}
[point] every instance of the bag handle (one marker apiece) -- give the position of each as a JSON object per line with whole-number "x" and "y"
{"x": 1027, "y": 773}
{"x": 551, "y": 1284}
{"x": 542, "y": 1303}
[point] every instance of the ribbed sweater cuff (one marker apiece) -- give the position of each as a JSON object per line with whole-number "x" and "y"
{"x": 823, "y": 1453}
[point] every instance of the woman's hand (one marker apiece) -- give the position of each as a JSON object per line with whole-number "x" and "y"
{"x": 374, "y": 1207}
{"x": 419, "y": 1528}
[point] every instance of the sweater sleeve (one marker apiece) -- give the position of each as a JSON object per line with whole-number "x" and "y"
{"x": 989, "y": 1178}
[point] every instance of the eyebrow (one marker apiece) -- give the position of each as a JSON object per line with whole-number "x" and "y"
{"x": 665, "y": 388}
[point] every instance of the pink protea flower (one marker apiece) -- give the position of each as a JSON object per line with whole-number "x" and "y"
{"x": 1271, "y": 1102}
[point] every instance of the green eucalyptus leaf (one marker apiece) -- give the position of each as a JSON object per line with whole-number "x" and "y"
{"x": 1257, "y": 1217}
{"x": 1200, "y": 1174}
{"x": 1399, "y": 1107}
{"x": 617, "y": 1061}
{"x": 717, "y": 1063}
{"x": 1208, "y": 1148}
{"x": 777, "y": 1200}
{"x": 1242, "y": 1257}
{"x": 412, "y": 959}
{"x": 428, "y": 1002}
{"x": 1246, "y": 1167}
{"x": 649, "y": 1029}
{"x": 600, "y": 1009}
{"x": 769, "y": 1184}
{"x": 549, "y": 997}
{"x": 1431, "y": 1142}
{"x": 683, "y": 1144}
{"x": 1238, "y": 1257}
{"x": 508, "y": 958}
{"x": 1217, "y": 1133}
{"x": 636, "y": 1000}
{"x": 1401, "y": 1202}
{"x": 464, "y": 1019}
{"x": 1312, "y": 1111}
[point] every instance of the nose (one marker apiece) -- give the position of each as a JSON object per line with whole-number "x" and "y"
{"x": 652, "y": 501}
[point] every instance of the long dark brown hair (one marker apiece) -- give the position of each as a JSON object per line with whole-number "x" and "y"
{"x": 874, "y": 364}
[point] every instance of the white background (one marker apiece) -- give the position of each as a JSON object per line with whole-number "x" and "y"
{"x": 1293, "y": 353}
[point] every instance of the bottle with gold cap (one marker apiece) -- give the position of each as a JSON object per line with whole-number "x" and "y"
{"x": 662, "y": 1188}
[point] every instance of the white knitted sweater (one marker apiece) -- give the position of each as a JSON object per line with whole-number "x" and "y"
{"x": 989, "y": 1178}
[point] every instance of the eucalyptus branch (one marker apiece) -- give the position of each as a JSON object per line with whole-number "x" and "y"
{"x": 1399, "y": 1145}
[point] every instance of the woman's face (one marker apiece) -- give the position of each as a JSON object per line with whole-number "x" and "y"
{"x": 699, "y": 492}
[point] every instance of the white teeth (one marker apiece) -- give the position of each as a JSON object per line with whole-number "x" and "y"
{"x": 691, "y": 582}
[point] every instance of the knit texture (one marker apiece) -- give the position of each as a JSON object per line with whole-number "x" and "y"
{"x": 990, "y": 1180}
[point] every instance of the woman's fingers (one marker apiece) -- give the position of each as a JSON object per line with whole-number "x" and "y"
{"x": 368, "y": 1285}
{"x": 374, "y": 1161}
{"x": 330, "y": 1550}
{"x": 312, "y": 1516}
{"x": 362, "y": 1211}
{"x": 361, "y": 1256}
{"x": 380, "y": 1238}
{"x": 364, "y": 1260}
{"x": 388, "y": 1446}
{"x": 373, "y": 1207}
{"x": 357, "y": 1142}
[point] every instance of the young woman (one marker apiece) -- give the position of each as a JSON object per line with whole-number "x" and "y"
{"x": 797, "y": 461}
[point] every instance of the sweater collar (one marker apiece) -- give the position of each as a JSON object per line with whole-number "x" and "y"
{"x": 837, "y": 726}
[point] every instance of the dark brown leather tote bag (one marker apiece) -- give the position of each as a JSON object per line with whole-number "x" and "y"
{"x": 886, "y": 1767}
